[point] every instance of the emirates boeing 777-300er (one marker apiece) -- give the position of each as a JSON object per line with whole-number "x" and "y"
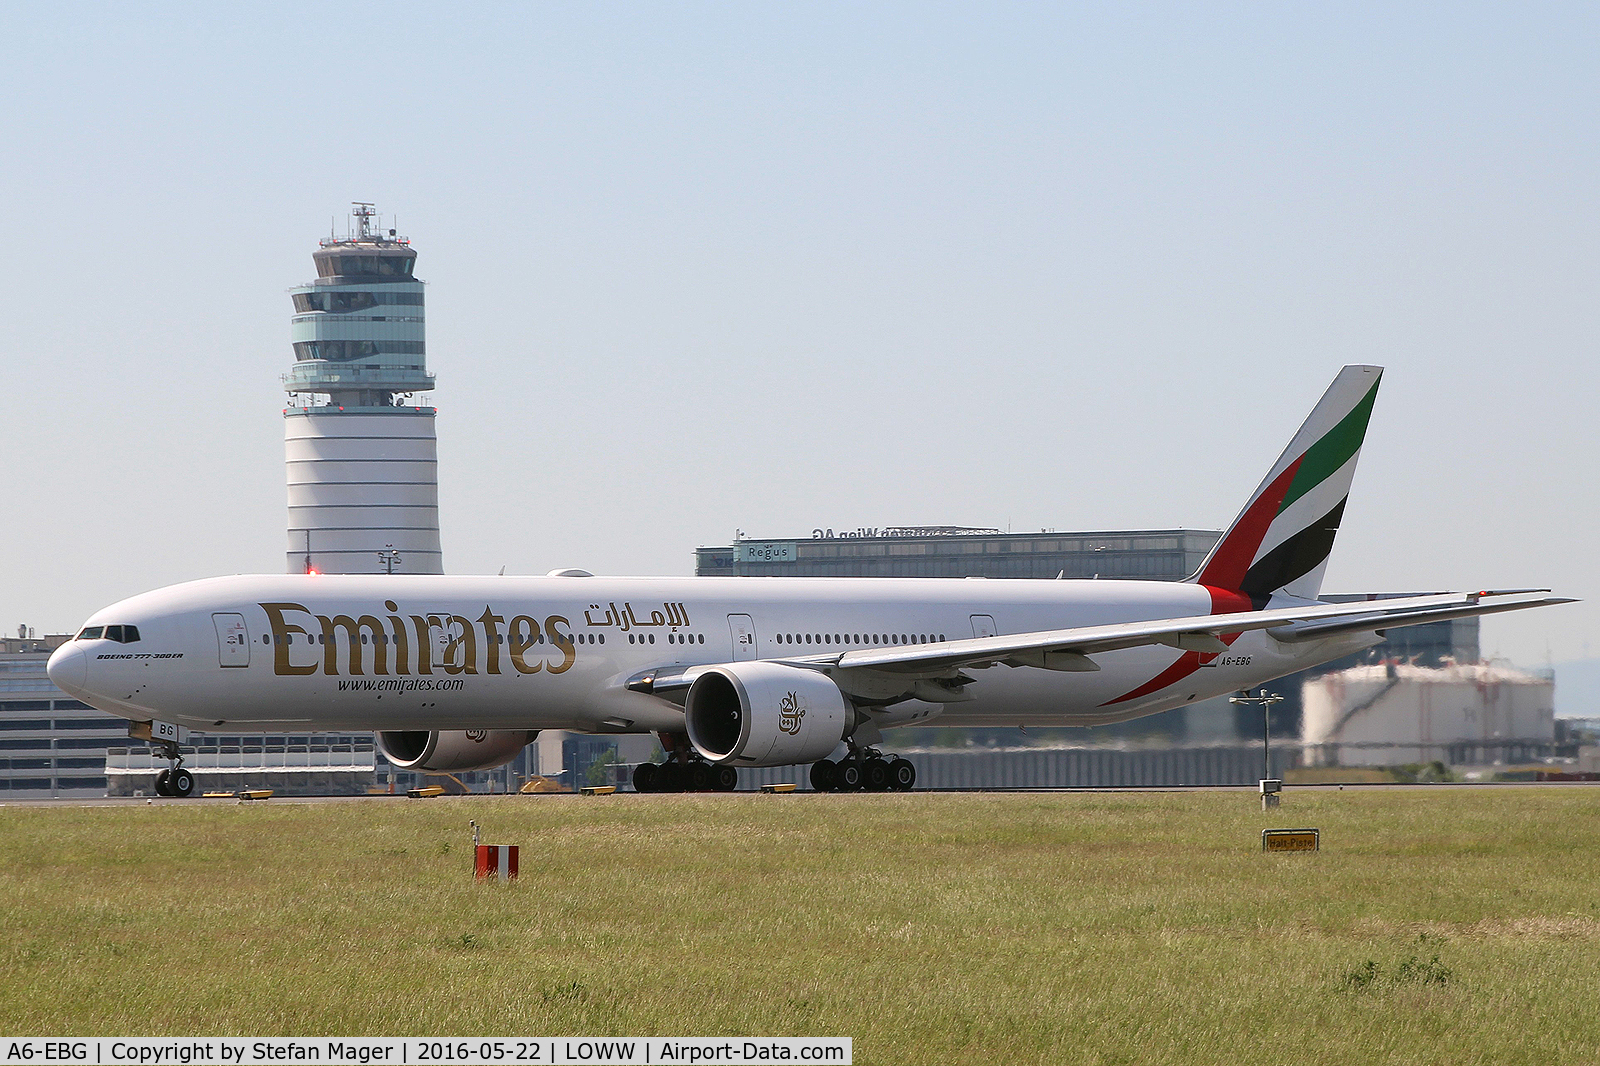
{"x": 459, "y": 673}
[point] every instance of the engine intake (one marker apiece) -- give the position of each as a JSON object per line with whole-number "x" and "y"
{"x": 446, "y": 751}
{"x": 765, "y": 714}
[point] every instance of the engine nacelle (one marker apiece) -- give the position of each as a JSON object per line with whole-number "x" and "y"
{"x": 439, "y": 751}
{"x": 765, "y": 714}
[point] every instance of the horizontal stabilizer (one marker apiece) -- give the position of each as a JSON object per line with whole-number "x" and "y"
{"x": 1507, "y": 601}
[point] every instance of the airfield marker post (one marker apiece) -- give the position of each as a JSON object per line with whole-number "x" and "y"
{"x": 1271, "y": 787}
{"x": 496, "y": 862}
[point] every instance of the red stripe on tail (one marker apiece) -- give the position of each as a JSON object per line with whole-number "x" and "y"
{"x": 1230, "y": 562}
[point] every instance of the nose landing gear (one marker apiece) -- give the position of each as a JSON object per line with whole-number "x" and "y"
{"x": 177, "y": 780}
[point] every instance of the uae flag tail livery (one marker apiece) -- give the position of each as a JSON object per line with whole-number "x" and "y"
{"x": 1280, "y": 542}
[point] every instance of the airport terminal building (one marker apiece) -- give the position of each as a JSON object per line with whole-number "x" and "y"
{"x": 958, "y": 551}
{"x": 51, "y": 745}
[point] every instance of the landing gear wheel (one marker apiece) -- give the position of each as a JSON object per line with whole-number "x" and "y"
{"x": 847, "y": 776}
{"x": 823, "y": 774}
{"x": 902, "y": 775}
{"x": 644, "y": 777}
{"x": 724, "y": 779}
{"x": 181, "y": 782}
{"x": 164, "y": 783}
{"x": 699, "y": 777}
{"x": 875, "y": 774}
{"x": 669, "y": 777}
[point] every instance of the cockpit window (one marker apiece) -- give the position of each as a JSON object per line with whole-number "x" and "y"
{"x": 120, "y": 634}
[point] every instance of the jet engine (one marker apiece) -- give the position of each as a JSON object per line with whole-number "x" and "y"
{"x": 439, "y": 751}
{"x": 765, "y": 714}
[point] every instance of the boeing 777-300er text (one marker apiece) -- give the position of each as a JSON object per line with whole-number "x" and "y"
{"x": 459, "y": 673}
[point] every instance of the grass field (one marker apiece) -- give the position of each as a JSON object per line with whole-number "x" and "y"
{"x": 1444, "y": 925}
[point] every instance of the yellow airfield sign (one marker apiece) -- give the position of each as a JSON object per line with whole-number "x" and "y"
{"x": 1291, "y": 840}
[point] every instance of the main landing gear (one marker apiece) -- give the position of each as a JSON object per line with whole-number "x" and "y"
{"x": 684, "y": 771}
{"x": 866, "y": 770}
{"x": 694, "y": 775}
{"x": 177, "y": 780}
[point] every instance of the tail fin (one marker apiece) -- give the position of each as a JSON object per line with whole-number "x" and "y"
{"x": 1281, "y": 540}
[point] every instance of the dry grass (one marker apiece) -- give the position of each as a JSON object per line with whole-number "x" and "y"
{"x": 1445, "y": 925}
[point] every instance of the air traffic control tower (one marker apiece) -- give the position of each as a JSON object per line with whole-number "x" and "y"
{"x": 360, "y": 449}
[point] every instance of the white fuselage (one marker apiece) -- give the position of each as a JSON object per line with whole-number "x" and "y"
{"x": 274, "y": 653}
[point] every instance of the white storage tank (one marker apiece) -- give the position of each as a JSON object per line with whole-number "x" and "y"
{"x": 1390, "y": 714}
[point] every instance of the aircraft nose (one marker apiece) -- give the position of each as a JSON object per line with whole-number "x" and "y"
{"x": 69, "y": 668}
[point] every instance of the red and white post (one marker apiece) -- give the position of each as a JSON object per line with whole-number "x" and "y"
{"x": 496, "y": 861}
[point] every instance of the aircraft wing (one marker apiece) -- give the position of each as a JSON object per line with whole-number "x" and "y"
{"x": 1073, "y": 649}
{"x": 1070, "y": 649}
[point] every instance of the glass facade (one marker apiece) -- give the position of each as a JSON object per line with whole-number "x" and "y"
{"x": 1152, "y": 555}
{"x": 341, "y": 351}
{"x": 359, "y": 328}
{"x": 335, "y": 301}
{"x": 378, "y": 262}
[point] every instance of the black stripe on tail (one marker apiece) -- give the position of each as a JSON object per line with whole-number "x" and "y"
{"x": 1294, "y": 558}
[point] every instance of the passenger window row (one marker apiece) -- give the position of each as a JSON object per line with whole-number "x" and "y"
{"x": 859, "y": 638}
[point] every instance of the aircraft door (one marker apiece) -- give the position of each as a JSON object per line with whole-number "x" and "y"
{"x": 743, "y": 630}
{"x": 233, "y": 640}
{"x": 449, "y": 638}
{"x": 983, "y": 625}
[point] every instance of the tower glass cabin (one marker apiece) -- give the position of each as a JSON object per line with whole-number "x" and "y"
{"x": 360, "y": 449}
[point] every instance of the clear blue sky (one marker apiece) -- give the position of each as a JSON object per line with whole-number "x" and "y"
{"x": 695, "y": 268}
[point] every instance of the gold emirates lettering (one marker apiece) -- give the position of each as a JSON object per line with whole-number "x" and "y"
{"x": 391, "y": 646}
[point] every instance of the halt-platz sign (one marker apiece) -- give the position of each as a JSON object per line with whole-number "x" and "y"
{"x": 1291, "y": 840}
